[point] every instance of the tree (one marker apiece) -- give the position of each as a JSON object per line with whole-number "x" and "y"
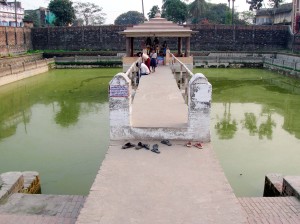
{"x": 31, "y": 15}
{"x": 153, "y": 11}
{"x": 89, "y": 12}
{"x": 196, "y": 10}
{"x": 63, "y": 11}
{"x": 130, "y": 18}
{"x": 175, "y": 10}
{"x": 257, "y": 4}
{"x": 247, "y": 16}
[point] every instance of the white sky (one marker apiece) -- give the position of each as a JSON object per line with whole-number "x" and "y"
{"x": 113, "y": 8}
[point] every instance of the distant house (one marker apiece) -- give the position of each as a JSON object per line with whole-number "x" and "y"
{"x": 41, "y": 17}
{"x": 281, "y": 15}
{"x": 9, "y": 13}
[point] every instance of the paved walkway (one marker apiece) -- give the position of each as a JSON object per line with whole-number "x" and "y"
{"x": 178, "y": 186}
{"x": 41, "y": 209}
{"x": 272, "y": 210}
{"x": 158, "y": 102}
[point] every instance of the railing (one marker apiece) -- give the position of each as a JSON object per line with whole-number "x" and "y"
{"x": 132, "y": 72}
{"x": 183, "y": 79}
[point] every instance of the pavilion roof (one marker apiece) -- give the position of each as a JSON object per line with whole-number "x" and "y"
{"x": 159, "y": 27}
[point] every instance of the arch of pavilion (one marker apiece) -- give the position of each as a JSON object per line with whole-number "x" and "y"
{"x": 158, "y": 27}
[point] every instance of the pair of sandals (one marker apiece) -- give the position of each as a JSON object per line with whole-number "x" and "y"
{"x": 140, "y": 145}
{"x": 197, "y": 145}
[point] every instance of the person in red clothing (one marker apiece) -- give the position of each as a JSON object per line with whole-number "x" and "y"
{"x": 146, "y": 59}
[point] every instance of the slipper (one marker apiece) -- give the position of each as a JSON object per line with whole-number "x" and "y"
{"x": 198, "y": 145}
{"x": 155, "y": 148}
{"x": 166, "y": 142}
{"x": 128, "y": 145}
{"x": 142, "y": 145}
{"x": 188, "y": 144}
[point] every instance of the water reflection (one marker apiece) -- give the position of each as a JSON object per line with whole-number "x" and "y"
{"x": 226, "y": 127}
{"x": 68, "y": 113}
{"x": 65, "y": 90}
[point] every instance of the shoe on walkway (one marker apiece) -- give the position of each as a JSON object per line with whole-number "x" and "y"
{"x": 166, "y": 142}
{"x": 198, "y": 145}
{"x": 128, "y": 145}
{"x": 188, "y": 144}
{"x": 155, "y": 148}
{"x": 142, "y": 145}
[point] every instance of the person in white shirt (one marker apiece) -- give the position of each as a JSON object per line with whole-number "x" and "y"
{"x": 146, "y": 59}
{"x": 144, "y": 70}
{"x": 153, "y": 62}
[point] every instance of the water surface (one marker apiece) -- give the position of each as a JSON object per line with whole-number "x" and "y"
{"x": 255, "y": 125}
{"x": 56, "y": 124}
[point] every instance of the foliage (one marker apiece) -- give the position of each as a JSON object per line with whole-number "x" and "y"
{"x": 63, "y": 11}
{"x": 247, "y": 16}
{"x": 130, "y": 18}
{"x": 96, "y": 63}
{"x": 257, "y": 4}
{"x": 91, "y": 13}
{"x": 31, "y": 15}
{"x": 196, "y": 11}
{"x": 175, "y": 10}
{"x": 153, "y": 11}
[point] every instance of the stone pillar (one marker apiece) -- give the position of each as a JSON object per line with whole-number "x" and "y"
{"x": 128, "y": 47}
{"x": 199, "y": 105}
{"x": 187, "y": 46}
{"x": 120, "y": 107}
{"x": 131, "y": 46}
{"x": 179, "y": 46}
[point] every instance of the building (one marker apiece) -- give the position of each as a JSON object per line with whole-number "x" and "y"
{"x": 281, "y": 15}
{"x": 9, "y": 13}
{"x": 40, "y": 17}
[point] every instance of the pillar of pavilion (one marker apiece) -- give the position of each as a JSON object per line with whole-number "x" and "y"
{"x": 158, "y": 27}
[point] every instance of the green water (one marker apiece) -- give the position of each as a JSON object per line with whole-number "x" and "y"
{"x": 57, "y": 124}
{"x": 255, "y": 126}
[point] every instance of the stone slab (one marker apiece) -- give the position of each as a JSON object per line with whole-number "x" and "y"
{"x": 271, "y": 210}
{"x": 179, "y": 185}
{"x": 64, "y": 206}
{"x": 291, "y": 186}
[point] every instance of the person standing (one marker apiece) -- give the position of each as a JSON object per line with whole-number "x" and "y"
{"x": 153, "y": 61}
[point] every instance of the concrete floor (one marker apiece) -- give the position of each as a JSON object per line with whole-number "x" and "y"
{"x": 164, "y": 108}
{"x": 178, "y": 186}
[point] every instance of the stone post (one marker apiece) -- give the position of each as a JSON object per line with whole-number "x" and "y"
{"x": 199, "y": 105}
{"x": 128, "y": 47}
{"x": 187, "y": 46}
{"x": 179, "y": 46}
{"x": 120, "y": 107}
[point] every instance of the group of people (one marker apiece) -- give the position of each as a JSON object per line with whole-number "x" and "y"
{"x": 147, "y": 62}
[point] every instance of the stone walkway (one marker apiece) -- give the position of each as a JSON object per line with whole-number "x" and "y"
{"x": 178, "y": 186}
{"x": 41, "y": 209}
{"x": 272, "y": 210}
{"x": 164, "y": 108}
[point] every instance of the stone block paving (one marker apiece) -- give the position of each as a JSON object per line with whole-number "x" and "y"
{"x": 272, "y": 210}
{"x": 41, "y": 209}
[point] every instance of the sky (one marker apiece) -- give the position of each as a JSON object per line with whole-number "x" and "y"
{"x": 114, "y": 8}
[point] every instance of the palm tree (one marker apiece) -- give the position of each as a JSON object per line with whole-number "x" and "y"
{"x": 196, "y": 10}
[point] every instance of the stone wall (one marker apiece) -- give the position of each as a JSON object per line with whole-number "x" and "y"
{"x": 207, "y": 38}
{"x": 14, "y": 40}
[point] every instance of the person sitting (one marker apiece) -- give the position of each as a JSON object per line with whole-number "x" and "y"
{"x": 146, "y": 59}
{"x": 144, "y": 70}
